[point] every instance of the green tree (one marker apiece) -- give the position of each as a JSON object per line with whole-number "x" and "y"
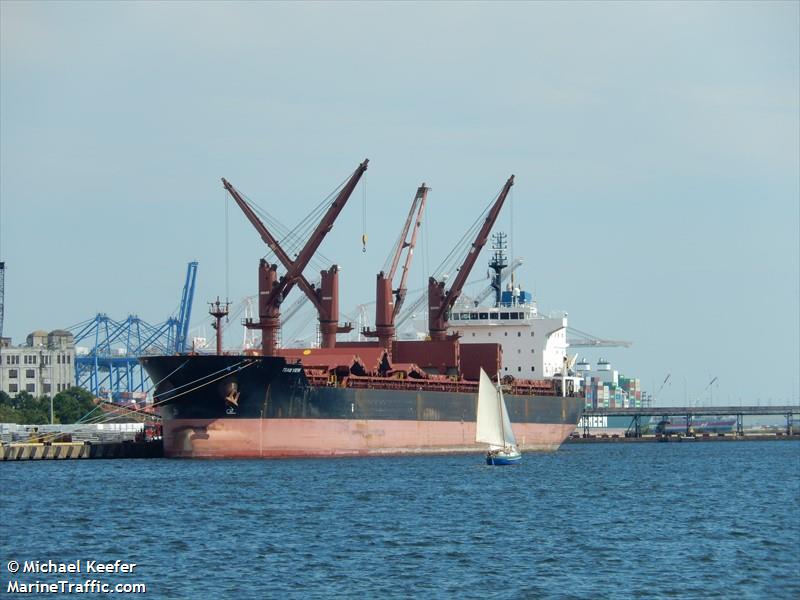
{"x": 8, "y": 414}
{"x": 72, "y": 404}
{"x": 30, "y": 410}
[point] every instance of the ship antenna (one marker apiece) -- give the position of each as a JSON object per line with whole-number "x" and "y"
{"x": 497, "y": 264}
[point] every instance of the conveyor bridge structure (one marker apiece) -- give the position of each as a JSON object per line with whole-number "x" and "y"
{"x": 790, "y": 412}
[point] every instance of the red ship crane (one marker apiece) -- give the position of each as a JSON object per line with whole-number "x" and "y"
{"x": 387, "y": 309}
{"x": 272, "y": 290}
{"x": 439, "y": 302}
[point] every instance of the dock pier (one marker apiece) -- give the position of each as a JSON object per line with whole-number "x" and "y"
{"x": 80, "y": 450}
{"x": 634, "y": 430}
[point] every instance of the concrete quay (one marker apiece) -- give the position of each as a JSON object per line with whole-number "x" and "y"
{"x": 80, "y": 450}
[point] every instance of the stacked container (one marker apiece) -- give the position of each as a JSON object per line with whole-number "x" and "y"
{"x": 633, "y": 388}
{"x": 602, "y": 394}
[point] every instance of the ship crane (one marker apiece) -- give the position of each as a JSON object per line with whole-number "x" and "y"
{"x": 387, "y": 309}
{"x": 412, "y": 308}
{"x": 286, "y": 315}
{"x": 439, "y": 301}
{"x": 272, "y": 290}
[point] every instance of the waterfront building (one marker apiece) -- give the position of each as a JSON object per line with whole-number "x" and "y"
{"x": 44, "y": 366}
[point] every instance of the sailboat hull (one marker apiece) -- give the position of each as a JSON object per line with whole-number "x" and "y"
{"x": 500, "y": 459}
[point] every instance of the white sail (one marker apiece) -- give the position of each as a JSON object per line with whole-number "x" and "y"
{"x": 508, "y": 433}
{"x": 489, "y": 425}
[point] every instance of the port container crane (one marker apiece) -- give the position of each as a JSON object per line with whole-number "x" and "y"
{"x": 580, "y": 339}
{"x": 185, "y": 313}
{"x": 111, "y": 365}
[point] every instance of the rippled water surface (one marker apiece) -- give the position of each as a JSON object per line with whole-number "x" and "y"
{"x": 700, "y": 520}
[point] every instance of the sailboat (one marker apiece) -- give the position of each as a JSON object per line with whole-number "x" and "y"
{"x": 493, "y": 426}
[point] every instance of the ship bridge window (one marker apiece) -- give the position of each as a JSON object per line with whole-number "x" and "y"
{"x": 473, "y": 315}
{"x": 514, "y": 316}
{"x": 503, "y": 315}
{"x": 483, "y": 316}
{"x": 456, "y": 317}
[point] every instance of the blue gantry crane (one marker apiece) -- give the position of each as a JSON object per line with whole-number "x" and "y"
{"x": 111, "y": 366}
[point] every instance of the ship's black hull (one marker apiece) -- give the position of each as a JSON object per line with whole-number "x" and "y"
{"x": 219, "y": 406}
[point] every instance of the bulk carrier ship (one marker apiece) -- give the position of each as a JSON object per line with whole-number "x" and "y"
{"x": 350, "y": 398}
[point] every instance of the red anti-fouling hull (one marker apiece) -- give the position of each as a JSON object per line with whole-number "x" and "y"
{"x": 273, "y": 438}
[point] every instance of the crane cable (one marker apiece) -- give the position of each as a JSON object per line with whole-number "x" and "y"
{"x": 227, "y": 250}
{"x": 364, "y": 213}
{"x": 119, "y": 411}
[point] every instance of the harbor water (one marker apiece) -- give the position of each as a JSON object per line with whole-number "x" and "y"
{"x": 608, "y": 521}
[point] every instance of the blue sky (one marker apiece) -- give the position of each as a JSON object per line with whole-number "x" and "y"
{"x": 656, "y": 149}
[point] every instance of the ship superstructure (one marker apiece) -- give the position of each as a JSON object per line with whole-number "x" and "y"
{"x": 534, "y": 344}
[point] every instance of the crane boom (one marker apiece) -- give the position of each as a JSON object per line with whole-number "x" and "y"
{"x": 322, "y": 229}
{"x": 663, "y": 383}
{"x": 270, "y": 240}
{"x": 412, "y": 308}
{"x": 272, "y": 290}
{"x": 185, "y": 314}
{"x": 419, "y": 205}
{"x": 2, "y": 294}
{"x": 580, "y": 339}
{"x": 439, "y": 302}
{"x": 385, "y": 313}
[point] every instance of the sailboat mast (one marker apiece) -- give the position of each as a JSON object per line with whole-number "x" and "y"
{"x": 500, "y": 406}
